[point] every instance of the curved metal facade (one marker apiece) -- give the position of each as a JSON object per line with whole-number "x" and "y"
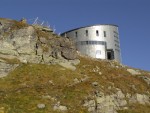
{"x": 98, "y": 41}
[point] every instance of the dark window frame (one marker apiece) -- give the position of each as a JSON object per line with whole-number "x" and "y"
{"x": 86, "y": 33}
{"x": 76, "y": 33}
{"x": 97, "y": 33}
{"x": 105, "y": 35}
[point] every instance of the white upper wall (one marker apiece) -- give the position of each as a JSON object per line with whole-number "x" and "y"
{"x": 103, "y": 33}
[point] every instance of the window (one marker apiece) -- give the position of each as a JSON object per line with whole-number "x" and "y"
{"x": 117, "y": 50}
{"x": 97, "y": 33}
{"x": 91, "y": 43}
{"x": 86, "y": 32}
{"x": 116, "y": 36}
{"x": 98, "y": 54}
{"x": 116, "y": 32}
{"x": 117, "y": 45}
{"x": 104, "y": 33}
{"x": 116, "y": 41}
{"x": 76, "y": 33}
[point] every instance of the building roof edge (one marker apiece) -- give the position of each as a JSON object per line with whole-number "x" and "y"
{"x": 89, "y": 26}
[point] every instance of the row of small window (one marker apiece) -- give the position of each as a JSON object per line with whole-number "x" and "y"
{"x": 116, "y": 36}
{"x": 116, "y": 32}
{"x": 87, "y": 33}
{"x": 117, "y": 45}
{"x": 116, "y": 41}
{"x": 91, "y": 43}
{"x": 117, "y": 50}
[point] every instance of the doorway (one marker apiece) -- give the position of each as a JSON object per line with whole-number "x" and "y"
{"x": 110, "y": 54}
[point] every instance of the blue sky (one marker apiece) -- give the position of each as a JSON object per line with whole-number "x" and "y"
{"x": 132, "y": 17}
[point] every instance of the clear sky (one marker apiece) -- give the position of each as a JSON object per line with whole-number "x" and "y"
{"x": 132, "y": 17}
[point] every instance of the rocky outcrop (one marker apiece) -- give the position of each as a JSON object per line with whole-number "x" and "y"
{"x": 29, "y": 44}
{"x": 41, "y": 106}
{"x": 106, "y": 103}
{"x": 133, "y": 72}
{"x": 20, "y": 42}
{"x": 5, "y": 68}
{"x": 138, "y": 74}
{"x": 63, "y": 47}
{"x": 112, "y": 103}
{"x": 59, "y": 107}
{"x": 139, "y": 98}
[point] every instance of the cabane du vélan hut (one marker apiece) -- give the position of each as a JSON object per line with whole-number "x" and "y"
{"x": 97, "y": 41}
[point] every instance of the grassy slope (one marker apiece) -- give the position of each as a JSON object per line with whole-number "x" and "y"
{"x": 22, "y": 89}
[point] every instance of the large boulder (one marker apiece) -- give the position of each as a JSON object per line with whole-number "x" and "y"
{"x": 69, "y": 54}
{"x": 111, "y": 103}
{"x": 63, "y": 47}
{"x": 133, "y": 72}
{"x": 23, "y": 40}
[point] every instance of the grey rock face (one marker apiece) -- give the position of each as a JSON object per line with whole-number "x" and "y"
{"x": 41, "y": 106}
{"x": 101, "y": 105}
{"x": 30, "y": 59}
{"x": 133, "y": 72}
{"x": 140, "y": 98}
{"x": 69, "y": 53}
{"x": 64, "y": 47}
{"x": 70, "y": 64}
{"x": 75, "y": 62}
{"x": 43, "y": 40}
{"x": 95, "y": 84}
{"x": 24, "y": 40}
{"x": 112, "y": 103}
{"x": 59, "y": 107}
{"x": 19, "y": 42}
{"x": 26, "y": 45}
{"x": 5, "y": 68}
{"x": 91, "y": 105}
{"x": 76, "y": 81}
{"x": 67, "y": 65}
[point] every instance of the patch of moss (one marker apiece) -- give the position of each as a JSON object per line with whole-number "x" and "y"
{"x": 18, "y": 25}
{"x": 42, "y": 34}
